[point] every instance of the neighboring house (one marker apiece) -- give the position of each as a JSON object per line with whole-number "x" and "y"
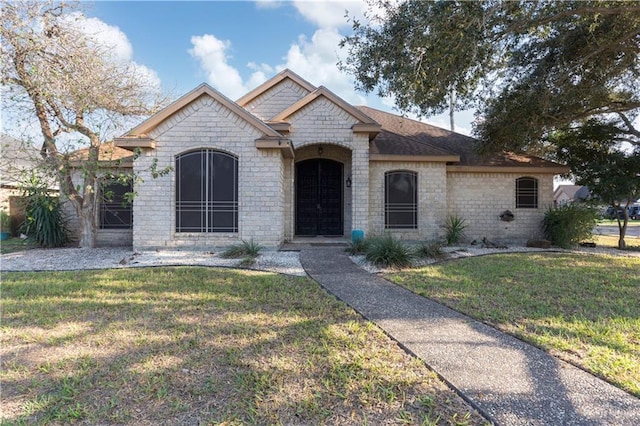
{"x": 18, "y": 160}
{"x": 289, "y": 159}
{"x": 567, "y": 194}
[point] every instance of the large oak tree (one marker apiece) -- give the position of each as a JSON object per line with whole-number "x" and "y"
{"x": 71, "y": 83}
{"x": 528, "y": 67}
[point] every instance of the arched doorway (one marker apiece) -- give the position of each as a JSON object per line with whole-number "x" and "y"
{"x": 319, "y": 197}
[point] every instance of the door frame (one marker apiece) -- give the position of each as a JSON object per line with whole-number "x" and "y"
{"x": 338, "y": 188}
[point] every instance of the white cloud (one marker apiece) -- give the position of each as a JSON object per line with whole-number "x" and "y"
{"x": 330, "y": 14}
{"x": 214, "y": 60}
{"x": 115, "y": 42}
{"x": 315, "y": 60}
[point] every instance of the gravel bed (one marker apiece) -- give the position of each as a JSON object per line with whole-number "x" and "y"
{"x": 468, "y": 251}
{"x": 70, "y": 259}
{"x": 283, "y": 262}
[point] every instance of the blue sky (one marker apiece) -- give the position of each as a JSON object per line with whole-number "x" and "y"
{"x": 236, "y": 45}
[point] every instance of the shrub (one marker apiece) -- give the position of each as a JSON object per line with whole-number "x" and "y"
{"x": 248, "y": 249}
{"x": 566, "y": 226}
{"x": 387, "y": 251}
{"x": 455, "y": 227}
{"x": 358, "y": 246}
{"x": 44, "y": 222}
{"x": 432, "y": 250}
{"x": 5, "y": 222}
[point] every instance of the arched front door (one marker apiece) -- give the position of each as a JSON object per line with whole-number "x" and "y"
{"x": 319, "y": 197}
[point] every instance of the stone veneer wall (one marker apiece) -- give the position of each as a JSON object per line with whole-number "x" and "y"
{"x": 480, "y": 198}
{"x": 323, "y": 122}
{"x": 207, "y": 124}
{"x": 432, "y": 199}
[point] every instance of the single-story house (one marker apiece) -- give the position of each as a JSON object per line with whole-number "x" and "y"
{"x": 566, "y": 194}
{"x": 290, "y": 160}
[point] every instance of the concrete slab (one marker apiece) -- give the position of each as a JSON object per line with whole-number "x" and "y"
{"x": 511, "y": 381}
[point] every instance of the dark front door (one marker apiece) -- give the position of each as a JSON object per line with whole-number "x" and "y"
{"x": 319, "y": 197}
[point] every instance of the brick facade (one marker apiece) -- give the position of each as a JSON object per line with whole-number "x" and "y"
{"x": 318, "y": 125}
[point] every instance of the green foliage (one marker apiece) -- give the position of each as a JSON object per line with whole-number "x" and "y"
{"x": 44, "y": 223}
{"x": 358, "y": 246}
{"x": 592, "y": 153}
{"x": 424, "y": 53}
{"x": 388, "y": 251}
{"x": 247, "y": 249}
{"x": 566, "y": 226}
{"x": 530, "y": 67}
{"x": 432, "y": 250}
{"x": 455, "y": 227}
{"x": 5, "y": 221}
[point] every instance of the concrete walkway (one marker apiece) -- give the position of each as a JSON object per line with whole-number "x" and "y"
{"x": 511, "y": 382}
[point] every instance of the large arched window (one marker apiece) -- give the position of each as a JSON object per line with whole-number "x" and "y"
{"x": 400, "y": 200}
{"x": 206, "y": 192}
{"x": 526, "y": 193}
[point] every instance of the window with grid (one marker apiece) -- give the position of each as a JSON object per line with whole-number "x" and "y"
{"x": 526, "y": 193}
{"x": 401, "y": 200}
{"x": 116, "y": 212}
{"x": 206, "y": 192}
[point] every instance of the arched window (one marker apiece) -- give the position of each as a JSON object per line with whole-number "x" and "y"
{"x": 526, "y": 193}
{"x": 206, "y": 192}
{"x": 400, "y": 200}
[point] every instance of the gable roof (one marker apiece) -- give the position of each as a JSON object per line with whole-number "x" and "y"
{"x": 401, "y": 136}
{"x": 322, "y": 91}
{"x": 272, "y": 82}
{"x": 204, "y": 89}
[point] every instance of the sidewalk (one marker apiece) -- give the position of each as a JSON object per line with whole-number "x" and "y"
{"x": 510, "y": 381}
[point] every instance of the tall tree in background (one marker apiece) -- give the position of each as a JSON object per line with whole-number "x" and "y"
{"x": 72, "y": 84}
{"x": 528, "y": 67}
{"x": 428, "y": 56}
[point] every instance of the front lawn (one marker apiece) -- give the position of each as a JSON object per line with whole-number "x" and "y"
{"x": 583, "y": 308}
{"x": 203, "y": 346}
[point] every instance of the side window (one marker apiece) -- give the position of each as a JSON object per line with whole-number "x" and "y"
{"x": 526, "y": 193}
{"x": 116, "y": 212}
{"x": 401, "y": 200}
{"x": 206, "y": 192}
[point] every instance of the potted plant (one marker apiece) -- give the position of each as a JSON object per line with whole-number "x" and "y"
{"x": 5, "y": 225}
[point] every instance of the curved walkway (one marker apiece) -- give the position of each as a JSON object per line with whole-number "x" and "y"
{"x": 511, "y": 382}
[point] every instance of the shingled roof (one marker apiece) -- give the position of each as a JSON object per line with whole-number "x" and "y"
{"x": 401, "y": 136}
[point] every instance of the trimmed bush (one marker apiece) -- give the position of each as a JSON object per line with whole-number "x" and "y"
{"x": 566, "y": 226}
{"x": 455, "y": 227}
{"x": 387, "y": 251}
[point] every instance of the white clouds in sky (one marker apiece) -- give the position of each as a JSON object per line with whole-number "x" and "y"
{"x": 313, "y": 58}
{"x": 115, "y": 42}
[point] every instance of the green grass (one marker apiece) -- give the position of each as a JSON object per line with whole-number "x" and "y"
{"x": 203, "y": 346}
{"x": 583, "y": 308}
{"x": 608, "y": 222}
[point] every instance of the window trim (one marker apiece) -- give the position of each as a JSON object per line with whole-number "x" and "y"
{"x": 207, "y": 205}
{"x": 527, "y": 198}
{"x": 411, "y": 208}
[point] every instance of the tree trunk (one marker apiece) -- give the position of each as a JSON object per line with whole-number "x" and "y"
{"x": 87, "y": 225}
{"x": 622, "y": 227}
{"x": 452, "y": 109}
